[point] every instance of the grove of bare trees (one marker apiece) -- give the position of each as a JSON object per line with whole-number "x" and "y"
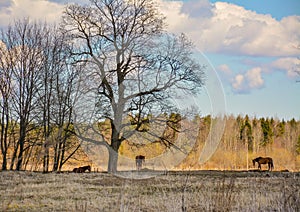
{"x": 37, "y": 93}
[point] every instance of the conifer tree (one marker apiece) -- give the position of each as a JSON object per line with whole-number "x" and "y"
{"x": 246, "y": 134}
{"x": 266, "y": 131}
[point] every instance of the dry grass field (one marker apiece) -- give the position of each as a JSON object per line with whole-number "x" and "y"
{"x": 171, "y": 191}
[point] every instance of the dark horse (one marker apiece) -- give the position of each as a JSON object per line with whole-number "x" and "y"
{"x": 139, "y": 160}
{"x": 261, "y": 160}
{"x": 82, "y": 169}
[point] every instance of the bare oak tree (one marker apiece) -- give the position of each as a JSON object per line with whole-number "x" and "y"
{"x": 134, "y": 67}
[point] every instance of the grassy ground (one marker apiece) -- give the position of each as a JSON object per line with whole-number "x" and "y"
{"x": 172, "y": 191}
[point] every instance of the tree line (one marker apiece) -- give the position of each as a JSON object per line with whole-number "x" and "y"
{"x": 245, "y": 138}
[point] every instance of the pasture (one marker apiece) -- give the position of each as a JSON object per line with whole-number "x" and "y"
{"x": 170, "y": 191}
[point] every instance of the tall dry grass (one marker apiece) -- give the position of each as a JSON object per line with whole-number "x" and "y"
{"x": 175, "y": 191}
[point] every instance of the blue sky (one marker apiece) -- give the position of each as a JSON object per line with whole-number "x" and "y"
{"x": 277, "y": 8}
{"x": 252, "y": 45}
{"x": 280, "y": 95}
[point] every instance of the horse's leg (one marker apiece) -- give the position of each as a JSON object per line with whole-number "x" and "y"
{"x": 271, "y": 166}
{"x": 259, "y": 166}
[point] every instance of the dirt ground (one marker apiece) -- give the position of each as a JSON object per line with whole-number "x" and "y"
{"x": 167, "y": 191}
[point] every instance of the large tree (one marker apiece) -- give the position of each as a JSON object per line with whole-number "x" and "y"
{"x": 134, "y": 67}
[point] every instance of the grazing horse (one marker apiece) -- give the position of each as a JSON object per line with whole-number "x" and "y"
{"x": 261, "y": 160}
{"x": 82, "y": 169}
{"x": 139, "y": 160}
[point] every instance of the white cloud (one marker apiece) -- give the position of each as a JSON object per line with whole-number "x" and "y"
{"x": 224, "y": 69}
{"x": 35, "y": 9}
{"x": 254, "y": 78}
{"x": 244, "y": 83}
{"x": 220, "y": 27}
{"x": 71, "y": 1}
{"x": 233, "y": 29}
{"x": 238, "y": 82}
{"x": 196, "y": 8}
{"x": 291, "y": 65}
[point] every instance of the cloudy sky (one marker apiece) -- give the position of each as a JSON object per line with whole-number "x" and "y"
{"x": 253, "y": 45}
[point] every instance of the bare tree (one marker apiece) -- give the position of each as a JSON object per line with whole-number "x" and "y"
{"x": 24, "y": 46}
{"x": 62, "y": 112}
{"x": 133, "y": 66}
{"x": 51, "y": 68}
{"x": 58, "y": 81}
{"x": 5, "y": 93}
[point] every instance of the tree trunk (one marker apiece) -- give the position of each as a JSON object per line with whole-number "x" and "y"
{"x": 114, "y": 150}
{"x": 21, "y": 149}
{"x": 55, "y": 157}
{"x": 4, "y": 161}
{"x": 47, "y": 130}
{"x": 14, "y": 156}
{"x": 20, "y": 157}
{"x": 58, "y": 155}
{"x": 46, "y": 159}
{"x": 112, "y": 161}
{"x": 3, "y": 143}
{"x": 4, "y": 146}
{"x": 62, "y": 148}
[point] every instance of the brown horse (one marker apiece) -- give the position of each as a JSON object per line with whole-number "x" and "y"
{"x": 82, "y": 169}
{"x": 261, "y": 160}
{"x": 139, "y": 160}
